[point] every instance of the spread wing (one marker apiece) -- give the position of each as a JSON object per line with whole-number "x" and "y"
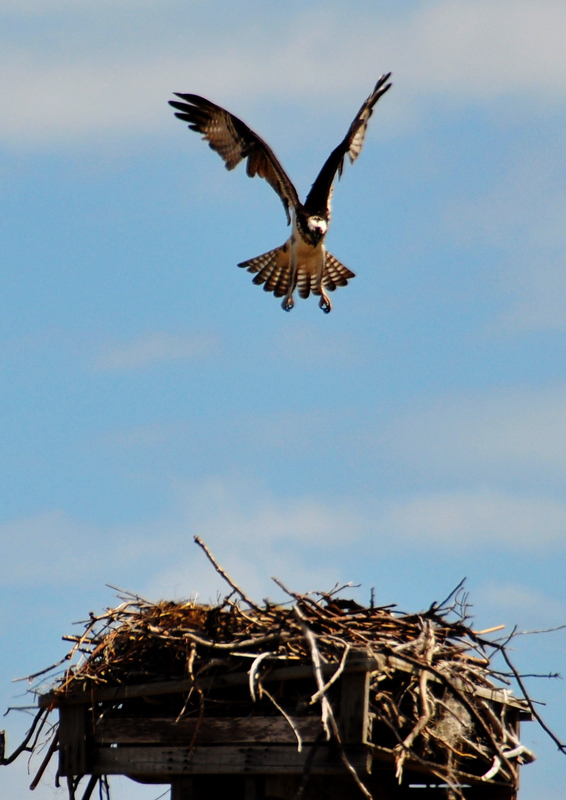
{"x": 234, "y": 141}
{"x": 351, "y": 145}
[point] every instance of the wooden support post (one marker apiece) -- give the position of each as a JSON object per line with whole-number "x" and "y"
{"x": 73, "y": 759}
{"x": 182, "y": 789}
{"x": 280, "y": 787}
{"x": 354, "y": 705}
{"x": 252, "y": 788}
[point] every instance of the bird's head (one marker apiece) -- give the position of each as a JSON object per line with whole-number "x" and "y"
{"x": 317, "y": 227}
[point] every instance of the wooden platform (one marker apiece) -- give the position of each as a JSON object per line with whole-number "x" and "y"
{"x": 249, "y": 757}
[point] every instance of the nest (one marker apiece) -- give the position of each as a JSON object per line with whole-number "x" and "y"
{"x": 435, "y": 698}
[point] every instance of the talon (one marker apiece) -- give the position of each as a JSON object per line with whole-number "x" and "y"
{"x": 287, "y": 304}
{"x": 325, "y": 304}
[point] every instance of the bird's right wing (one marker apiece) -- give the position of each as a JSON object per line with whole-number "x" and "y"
{"x": 234, "y": 141}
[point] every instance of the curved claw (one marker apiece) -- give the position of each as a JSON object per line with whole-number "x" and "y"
{"x": 325, "y": 304}
{"x": 287, "y": 304}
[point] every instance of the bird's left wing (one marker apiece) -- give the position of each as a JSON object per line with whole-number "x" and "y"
{"x": 351, "y": 145}
{"x": 234, "y": 141}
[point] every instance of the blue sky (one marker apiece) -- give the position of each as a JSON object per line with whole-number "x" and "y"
{"x": 414, "y": 436}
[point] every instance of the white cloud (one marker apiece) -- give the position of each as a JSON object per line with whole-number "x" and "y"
{"x": 525, "y": 606}
{"x": 511, "y": 596}
{"x": 472, "y": 518}
{"x": 154, "y": 348}
{"x": 245, "y": 511}
{"x": 521, "y": 218}
{"x": 41, "y": 8}
{"x": 485, "y": 48}
{"x": 453, "y": 49}
{"x": 252, "y": 531}
{"x": 256, "y": 534}
{"x": 48, "y": 547}
{"x": 526, "y": 205}
{"x": 499, "y": 434}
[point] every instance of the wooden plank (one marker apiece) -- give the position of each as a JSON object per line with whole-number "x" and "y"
{"x": 175, "y": 687}
{"x": 211, "y": 760}
{"x": 72, "y": 741}
{"x": 377, "y": 664}
{"x": 215, "y": 730}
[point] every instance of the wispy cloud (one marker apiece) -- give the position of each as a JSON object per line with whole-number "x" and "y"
{"x": 526, "y": 606}
{"x": 453, "y": 50}
{"x": 255, "y": 532}
{"x": 521, "y": 218}
{"x": 249, "y": 528}
{"x": 49, "y": 547}
{"x": 152, "y": 349}
{"x": 467, "y": 518}
{"x": 497, "y": 435}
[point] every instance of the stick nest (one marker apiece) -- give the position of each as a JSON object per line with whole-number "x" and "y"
{"x": 426, "y": 701}
{"x": 437, "y": 703}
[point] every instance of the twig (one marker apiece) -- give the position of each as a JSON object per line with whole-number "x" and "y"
{"x": 90, "y": 787}
{"x": 561, "y": 746}
{"x": 221, "y": 572}
{"x": 326, "y": 709}
{"x": 455, "y": 590}
{"x": 48, "y": 756}
{"x": 253, "y": 672}
{"x": 334, "y": 678}
{"x": 42, "y": 671}
{"x": 328, "y": 719}
{"x": 493, "y": 770}
{"x": 287, "y": 717}
{"x": 543, "y": 630}
{"x": 23, "y": 746}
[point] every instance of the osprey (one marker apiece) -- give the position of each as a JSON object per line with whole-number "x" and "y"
{"x": 303, "y": 262}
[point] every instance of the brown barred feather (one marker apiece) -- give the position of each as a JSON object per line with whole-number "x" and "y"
{"x": 234, "y": 141}
{"x": 282, "y": 283}
{"x": 304, "y": 283}
{"x": 335, "y": 273}
{"x": 259, "y": 262}
{"x": 272, "y": 270}
{"x": 275, "y": 277}
{"x": 266, "y": 272}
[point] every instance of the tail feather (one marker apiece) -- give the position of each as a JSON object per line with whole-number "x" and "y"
{"x": 272, "y": 269}
{"x": 305, "y": 283}
{"x": 281, "y": 281}
{"x": 260, "y": 262}
{"x": 335, "y": 273}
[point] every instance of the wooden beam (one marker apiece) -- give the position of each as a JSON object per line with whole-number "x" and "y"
{"x": 378, "y": 664}
{"x": 214, "y": 730}
{"x": 211, "y": 760}
{"x": 175, "y": 687}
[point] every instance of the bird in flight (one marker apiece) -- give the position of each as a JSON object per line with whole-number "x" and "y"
{"x": 303, "y": 262}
